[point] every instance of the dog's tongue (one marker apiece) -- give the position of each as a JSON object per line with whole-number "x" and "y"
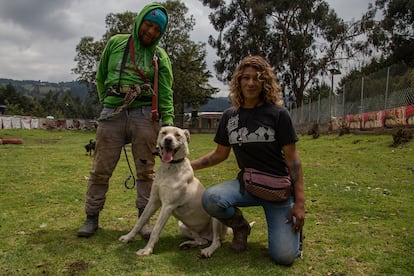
{"x": 167, "y": 155}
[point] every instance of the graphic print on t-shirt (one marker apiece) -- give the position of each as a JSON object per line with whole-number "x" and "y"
{"x": 245, "y": 135}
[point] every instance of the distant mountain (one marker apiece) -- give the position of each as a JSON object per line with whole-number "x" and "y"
{"x": 218, "y": 104}
{"x": 37, "y": 89}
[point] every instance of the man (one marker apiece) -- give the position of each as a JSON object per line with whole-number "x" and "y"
{"x": 134, "y": 81}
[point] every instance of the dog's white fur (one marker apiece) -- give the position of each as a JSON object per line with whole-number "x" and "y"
{"x": 178, "y": 192}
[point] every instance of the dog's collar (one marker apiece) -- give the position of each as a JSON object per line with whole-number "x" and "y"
{"x": 171, "y": 162}
{"x": 176, "y": 161}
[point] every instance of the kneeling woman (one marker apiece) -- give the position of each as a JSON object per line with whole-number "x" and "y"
{"x": 260, "y": 132}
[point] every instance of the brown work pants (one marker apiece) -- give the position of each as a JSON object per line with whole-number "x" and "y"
{"x": 134, "y": 126}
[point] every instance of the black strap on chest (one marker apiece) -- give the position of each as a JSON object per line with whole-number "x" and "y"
{"x": 124, "y": 58}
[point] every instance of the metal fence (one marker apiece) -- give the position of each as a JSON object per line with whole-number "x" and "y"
{"x": 390, "y": 88}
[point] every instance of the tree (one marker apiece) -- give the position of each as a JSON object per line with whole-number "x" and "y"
{"x": 89, "y": 51}
{"x": 393, "y": 35}
{"x": 61, "y": 103}
{"x": 87, "y": 58}
{"x": 319, "y": 89}
{"x": 187, "y": 57}
{"x": 301, "y": 38}
{"x": 16, "y": 103}
{"x": 188, "y": 60}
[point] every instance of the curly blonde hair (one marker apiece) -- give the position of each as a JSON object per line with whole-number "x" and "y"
{"x": 271, "y": 89}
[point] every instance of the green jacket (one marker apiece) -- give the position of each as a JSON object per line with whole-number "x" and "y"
{"x": 110, "y": 64}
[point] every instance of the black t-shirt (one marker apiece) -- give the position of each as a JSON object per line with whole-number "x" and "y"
{"x": 257, "y": 136}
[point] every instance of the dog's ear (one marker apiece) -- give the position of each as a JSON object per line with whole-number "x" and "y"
{"x": 187, "y": 135}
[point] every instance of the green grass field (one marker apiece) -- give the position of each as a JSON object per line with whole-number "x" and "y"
{"x": 359, "y": 212}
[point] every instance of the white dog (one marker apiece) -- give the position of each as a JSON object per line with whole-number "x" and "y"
{"x": 178, "y": 192}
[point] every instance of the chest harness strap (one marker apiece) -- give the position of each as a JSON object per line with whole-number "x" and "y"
{"x": 134, "y": 91}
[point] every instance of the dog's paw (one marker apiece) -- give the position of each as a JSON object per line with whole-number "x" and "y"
{"x": 126, "y": 238}
{"x": 206, "y": 253}
{"x": 144, "y": 252}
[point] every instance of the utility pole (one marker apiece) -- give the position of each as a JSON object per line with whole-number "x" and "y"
{"x": 331, "y": 95}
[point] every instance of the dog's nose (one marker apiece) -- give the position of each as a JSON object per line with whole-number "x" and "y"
{"x": 167, "y": 141}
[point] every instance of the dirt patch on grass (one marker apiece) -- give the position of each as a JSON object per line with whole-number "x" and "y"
{"x": 77, "y": 268}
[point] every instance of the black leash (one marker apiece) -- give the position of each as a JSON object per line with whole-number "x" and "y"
{"x": 131, "y": 175}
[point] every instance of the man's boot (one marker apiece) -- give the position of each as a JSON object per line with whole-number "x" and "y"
{"x": 241, "y": 229}
{"x": 89, "y": 227}
{"x": 146, "y": 229}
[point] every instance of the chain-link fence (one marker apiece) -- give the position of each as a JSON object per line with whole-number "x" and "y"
{"x": 370, "y": 97}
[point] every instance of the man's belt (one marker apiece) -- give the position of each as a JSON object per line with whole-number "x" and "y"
{"x": 142, "y": 92}
{"x": 118, "y": 90}
{"x": 145, "y": 92}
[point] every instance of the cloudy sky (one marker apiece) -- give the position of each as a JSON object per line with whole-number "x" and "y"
{"x": 39, "y": 37}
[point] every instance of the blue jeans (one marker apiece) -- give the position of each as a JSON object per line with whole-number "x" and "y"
{"x": 218, "y": 201}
